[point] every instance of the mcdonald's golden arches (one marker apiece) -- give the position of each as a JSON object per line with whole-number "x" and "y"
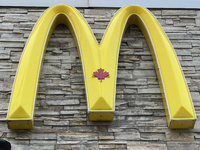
{"x": 99, "y": 65}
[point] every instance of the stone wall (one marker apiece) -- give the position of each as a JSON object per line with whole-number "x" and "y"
{"x": 61, "y": 117}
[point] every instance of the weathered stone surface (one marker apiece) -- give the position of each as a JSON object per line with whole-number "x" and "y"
{"x": 124, "y": 75}
{"x": 106, "y": 136}
{"x": 144, "y": 73}
{"x": 75, "y": 107}
{"x": 149, "y": 90}
{"x": 46, "y": 112}
{"x": 13, "y": 44}
{"x": 146, "y": 147}
{"x": 87, "y": 129}
{"x": 71, "y": 112}
{"x": 19, "y": 18}
{"x": 43, "y": 142}
{"x": 4, "y": 54}
{"x": 133, "y": 111}
{"x": 181, "y": 146}
{"x": 146, "y": 65}
{"x": 65, "y": 138}
{"x": 63, "y": 102}
{"x": 5, "y": 66}
{"x": 6, "y": 26}
{"x": 132, "y": 82}
{"x": 176, "y": 136}
{"x": 32, "y": 147}
{"x": 155, "y": 136}
{"x": 86, "y": 146}
{"x": 6, "y": 85}
{"x": 56, "y": 123}
{"x": 24, "y": 135}
{"x": 183, "y": 52}
{"x": 127, "y": 135}
{"x": 135, "y": 44}
{"x": 113, "y": 146}
{"x": 155, "y": 123}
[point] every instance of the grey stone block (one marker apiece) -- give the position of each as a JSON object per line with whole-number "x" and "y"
{"x": 72, "y": 112}
{"x": 86, "y": 146}
{"x": 182, "y": 46}
{"x": 6, "y": 26}
{"x": 4, "y": 54}
{"x": 146, "y": 147}
{"x": 56, "y": 123}
{"x": 46, "y": 113}
{"x": 149, "y": 90}
{"x": 135, "y": 44}
{"x": 63, "y": 102}
{"x": 19, "y": 18}
{"x": 178, "y": 136}
{"x": 65, "y": 138}
{"x": 183, "y": 52}
{"x": 144, "y": 73}
{"x": 155, "y": 136}
{"x": 178, "y": 12}
{"x": 37, "y": 136}
{"x": 146, "y": 65}
{"x": 182, "y": 145}
{"x": 127, "y": 135}
{"x": 134, "y": 112}
{"x": 87, "y": 129}
{"x": 32, "y": 147}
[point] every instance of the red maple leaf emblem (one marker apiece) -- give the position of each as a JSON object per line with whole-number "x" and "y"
{"x": 100, "y": 74}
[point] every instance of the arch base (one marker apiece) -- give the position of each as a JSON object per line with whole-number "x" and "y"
{"x": 101, "y": 116}
{"x": 24, "y": 124}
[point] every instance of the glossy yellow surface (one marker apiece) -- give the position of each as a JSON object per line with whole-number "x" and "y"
{"x": 100, "y": 94}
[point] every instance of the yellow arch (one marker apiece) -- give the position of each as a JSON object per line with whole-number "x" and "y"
{"x": 100, "y": 94}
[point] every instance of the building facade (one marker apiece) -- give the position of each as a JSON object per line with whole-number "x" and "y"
{"x": 61, "y": 120}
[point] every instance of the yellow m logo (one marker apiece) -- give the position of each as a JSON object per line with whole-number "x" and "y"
{"x": 100, "y": 94}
